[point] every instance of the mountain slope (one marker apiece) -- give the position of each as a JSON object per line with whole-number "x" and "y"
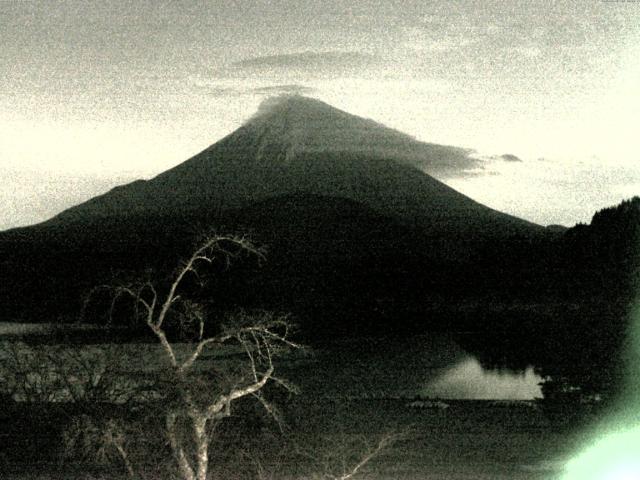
{"x": 301, "y": 145}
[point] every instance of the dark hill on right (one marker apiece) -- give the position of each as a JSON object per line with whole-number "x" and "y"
{"x": 575, "y": 319}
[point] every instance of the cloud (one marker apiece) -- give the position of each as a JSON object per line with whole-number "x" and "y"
{"x": 293, "y": 89}
{"x": 306, "y": 59}
{"x": 474, "y": 170}
{"x": 229, "y": 87}
{"x": 337, "y": 130}
{"x": 311, "y": 64}
{"x": 509, "y": 157}
{"x": 445, "y": 161}
{"x": 489, "y": 164}
{"x": 421, "y": 41}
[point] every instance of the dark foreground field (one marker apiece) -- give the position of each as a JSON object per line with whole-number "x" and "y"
{"x": 466, "y": 440}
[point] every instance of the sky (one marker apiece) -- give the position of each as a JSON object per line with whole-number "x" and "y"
{"x": 545, "y": 93}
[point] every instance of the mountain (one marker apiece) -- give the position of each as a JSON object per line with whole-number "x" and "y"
{"x": 355, "y": 227}
{"x": 297, "y": 145}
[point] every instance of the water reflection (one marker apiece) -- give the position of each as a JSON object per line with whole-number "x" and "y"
{"x": 469, "y": 380}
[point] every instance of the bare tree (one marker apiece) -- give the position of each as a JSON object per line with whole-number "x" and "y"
{"x": 334, "y": 456}
{"x": 345, "y": 457}
{"x": 63, "y": 373}
{"x": 198, "y": 392}
{"x": 91, "y": 439}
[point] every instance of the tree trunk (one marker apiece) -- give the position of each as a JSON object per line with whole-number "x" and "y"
{"x": 125, "y": 458}
{"x": 183, "y": 463}
{"x": 202, "y": 446}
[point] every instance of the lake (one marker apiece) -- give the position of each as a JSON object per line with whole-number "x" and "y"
{"x": 426, "y": 365}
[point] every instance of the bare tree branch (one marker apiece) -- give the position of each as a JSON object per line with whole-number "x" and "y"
{"x": 198, "y": 396}
{"x": 383, "y": 443}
